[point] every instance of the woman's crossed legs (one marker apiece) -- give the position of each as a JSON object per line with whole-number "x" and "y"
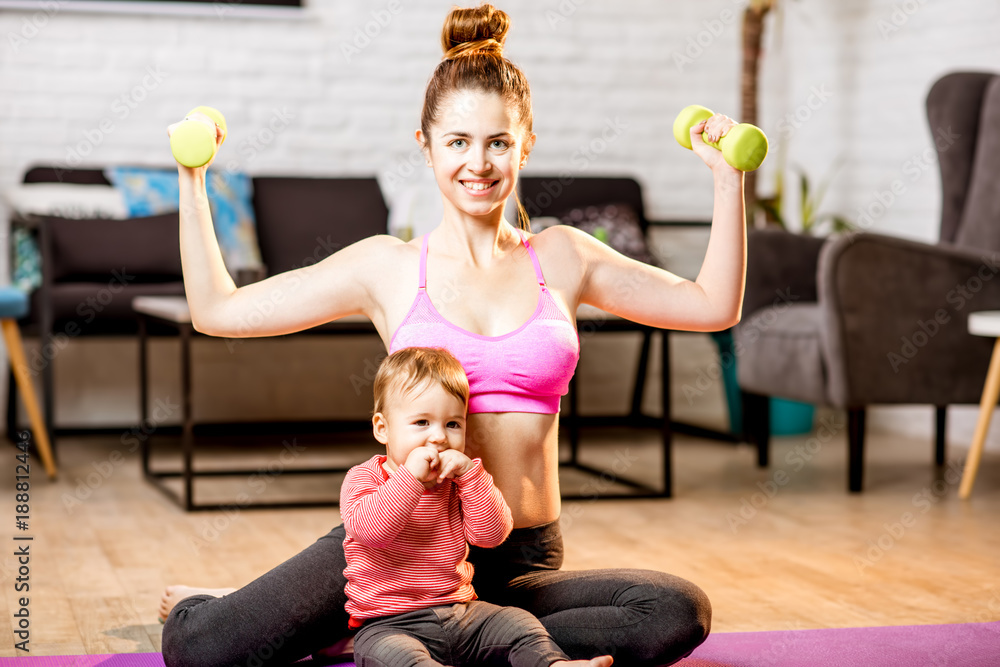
{"x": 640, "y": 617}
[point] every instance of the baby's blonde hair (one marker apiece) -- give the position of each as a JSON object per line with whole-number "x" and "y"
{"x": 407, "y": 369}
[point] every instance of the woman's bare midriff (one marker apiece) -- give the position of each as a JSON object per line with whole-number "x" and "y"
{"x": 520, "y": 450}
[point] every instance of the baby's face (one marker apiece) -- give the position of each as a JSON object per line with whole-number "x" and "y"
{"x": 428, "y": 416}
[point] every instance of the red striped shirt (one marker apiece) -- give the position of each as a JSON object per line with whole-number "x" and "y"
{"x": 406, "y": 547}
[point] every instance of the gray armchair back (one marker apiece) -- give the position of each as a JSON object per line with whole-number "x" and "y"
{"x": 963, "y": 109}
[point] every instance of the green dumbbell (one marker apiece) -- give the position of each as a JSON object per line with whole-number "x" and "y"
{"x": 744, "y": 147}
{"x": 193, "y": 141}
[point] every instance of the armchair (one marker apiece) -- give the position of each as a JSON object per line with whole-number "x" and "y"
{"x": 868, "y": 319}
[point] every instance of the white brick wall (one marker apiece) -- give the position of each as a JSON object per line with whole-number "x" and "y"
{"x": 589, "y": 62}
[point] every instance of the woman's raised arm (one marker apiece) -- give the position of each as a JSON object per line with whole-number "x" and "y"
{"x": 649, "y": 295}
{"x": 291, "y": 301}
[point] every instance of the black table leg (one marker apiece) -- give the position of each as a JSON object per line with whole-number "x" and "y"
{"x": 187, "y": 434}
{"x": 667, "y": 423}
{"x": 143, "y": 392}
{"x": 574, "y": 421}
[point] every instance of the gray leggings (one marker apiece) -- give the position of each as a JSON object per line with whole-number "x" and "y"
{"x": 469, "y": 633}
{"x": 641, "y": 617}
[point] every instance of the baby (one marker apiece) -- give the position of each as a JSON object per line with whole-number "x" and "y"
{"x": 409, "y": 515}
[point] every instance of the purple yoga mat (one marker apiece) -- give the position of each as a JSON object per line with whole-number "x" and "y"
{"x": 960, "y": 645}
{"x": 118, "y": 660}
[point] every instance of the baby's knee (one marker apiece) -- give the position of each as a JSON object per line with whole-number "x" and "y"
{"x": 382, "y": 649}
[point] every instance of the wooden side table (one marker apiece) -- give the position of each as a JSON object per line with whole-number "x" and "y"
{"x": 984, "y": 323}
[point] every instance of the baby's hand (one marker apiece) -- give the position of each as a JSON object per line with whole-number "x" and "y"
{"x": 453, "y": 464}
{"x": 423, "y": 463}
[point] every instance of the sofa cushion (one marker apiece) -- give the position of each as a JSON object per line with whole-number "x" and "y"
{"x": 97, "y": 308}
{"x": 619, "y": 221}
{"x": 301, "y": 221}
{"x": 557, "y": 195}
{"x": 89, "y": 250}
{"x": 779, "y": 353}
{"x": 66, "y": 200}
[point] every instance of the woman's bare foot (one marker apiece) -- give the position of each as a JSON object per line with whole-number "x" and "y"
{"x": 174, "y": 594}
{"x": 603, "y": 661}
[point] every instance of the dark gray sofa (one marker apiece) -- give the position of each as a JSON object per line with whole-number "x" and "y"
{"x": 92, "y": 269}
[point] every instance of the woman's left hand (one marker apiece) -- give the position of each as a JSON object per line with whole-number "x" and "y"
{"x": 714, "y": 128}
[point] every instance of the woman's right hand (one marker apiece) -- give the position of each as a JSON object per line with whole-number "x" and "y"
{"x": 219, "y": 137}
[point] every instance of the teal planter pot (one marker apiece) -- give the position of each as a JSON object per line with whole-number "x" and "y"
{"x": 787, "y": 417}
{"x": 791, "y": 417}
{"x": 724, "y": 341}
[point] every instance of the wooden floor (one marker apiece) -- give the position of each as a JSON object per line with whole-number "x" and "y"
{"x": 781, "y": 548}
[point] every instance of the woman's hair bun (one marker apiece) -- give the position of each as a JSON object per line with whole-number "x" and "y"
{"x": 478, "y": 29}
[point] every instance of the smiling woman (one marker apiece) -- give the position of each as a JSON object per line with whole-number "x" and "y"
{"x": 502, "y": 301}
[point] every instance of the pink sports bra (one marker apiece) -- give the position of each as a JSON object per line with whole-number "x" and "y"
{"x": 526, "y": 370}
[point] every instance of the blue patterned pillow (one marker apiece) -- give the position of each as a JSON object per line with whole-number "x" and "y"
{"x": 152, "y": 191}
{"x": 26, "y": 273}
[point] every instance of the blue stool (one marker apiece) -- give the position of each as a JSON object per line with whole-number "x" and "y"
{"x": 13, "y": 305}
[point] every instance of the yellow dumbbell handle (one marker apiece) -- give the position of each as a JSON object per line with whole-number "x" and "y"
{"x": 744, "y": 146}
